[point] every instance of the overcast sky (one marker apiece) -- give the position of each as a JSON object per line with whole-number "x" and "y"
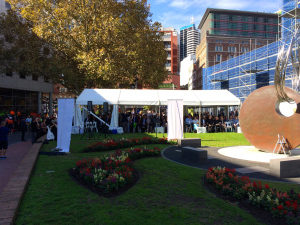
{"x": 178, "y": 13}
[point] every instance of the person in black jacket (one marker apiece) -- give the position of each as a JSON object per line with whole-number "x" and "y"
{"x": 35, "y": 126}
{"x": 23, "y": 128}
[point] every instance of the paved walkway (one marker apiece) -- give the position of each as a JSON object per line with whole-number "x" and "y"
{"x": 15, "y": 153}
{"x": 14, "y": 174}
{"x": 257, "y": 170}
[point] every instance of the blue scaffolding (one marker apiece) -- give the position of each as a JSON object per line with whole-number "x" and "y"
{"x": 245, "y": 73}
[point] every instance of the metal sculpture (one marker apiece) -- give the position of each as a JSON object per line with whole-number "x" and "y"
{"x": 261, "y": 121}
{"x": 261, "y": 117}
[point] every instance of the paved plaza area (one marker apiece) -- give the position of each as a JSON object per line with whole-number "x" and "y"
{"x": 15, "y": 153}
{"x": 15, "y": 172}
{"x": 256, "y": 170}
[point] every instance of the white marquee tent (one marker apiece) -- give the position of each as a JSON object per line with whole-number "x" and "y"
{"x": 157, "y": 97}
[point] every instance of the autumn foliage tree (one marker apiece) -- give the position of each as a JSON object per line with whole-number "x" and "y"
{"x": 108, "y": 43}
{"x": 23, "y": 52}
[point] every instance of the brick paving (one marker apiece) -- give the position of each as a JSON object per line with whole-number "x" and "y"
{"x": 14, "y": 175}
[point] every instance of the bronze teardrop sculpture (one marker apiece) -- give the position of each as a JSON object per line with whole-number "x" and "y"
{"x": 261, "y": 123}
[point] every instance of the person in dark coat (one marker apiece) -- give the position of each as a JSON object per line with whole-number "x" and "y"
{"x": 3, "y": 140}
{"x": 34, "y": 129}
{"x": 23, "y": 128}
{"x": 54, "y": 129}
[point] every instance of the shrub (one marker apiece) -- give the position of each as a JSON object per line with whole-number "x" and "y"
{"x": 279, "y": 204}
{"x": 124, "y": 143}
{"x": 111, "y": 172}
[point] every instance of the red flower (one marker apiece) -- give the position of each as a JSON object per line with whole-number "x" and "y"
{"x": 267, "y": 186}
{"x": 229, "y": 170}
{"x": 254, "y": 184}
{"x": 78, "y": 164}
{"x": 280, "y": 207}
{"x": 295, "y": 205}
{"x": 88, "y": 170}
{"x": 230, "y": 175}
{"x": 285, "y": 211}
{"x": 127, "y": 160}
{"x": 288, "y": 203}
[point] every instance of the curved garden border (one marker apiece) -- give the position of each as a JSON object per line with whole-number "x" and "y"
{"x": 112, "y": 174}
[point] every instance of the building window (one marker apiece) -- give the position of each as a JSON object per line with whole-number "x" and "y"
{"x": 22, "y": 74}
{"x": 244, "y": 49}
{"x": 230, "y": 56}
{"x": 167, "y": 45}
{"x": 232, "y": 25}
{"x": 8, "y": 72}
{"x": 245, "y": 18}
{"x": 7, "y": 5}
{"x": 232, "y": 49}
{"x": 218, "y": 58}
{"x": 35, "y": 77}
{"x": 63, "y": 90}
{"x": 219, "y": 48}
{"x": 245, "y": 26}
{"x": 216, "y": 16}
{"x": 216, "y": 25}
{"x": 230, "y": 18}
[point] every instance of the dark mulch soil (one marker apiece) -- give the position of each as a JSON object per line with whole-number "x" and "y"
{"x": 99, "y": 191}
{"x": 260, "y": 214}
{"x": 52, "y": 153}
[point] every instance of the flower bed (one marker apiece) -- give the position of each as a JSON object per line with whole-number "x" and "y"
{"x": 112, "y": 174}
{"x": 280, "y": 205}
{"x": 124, "y": 143}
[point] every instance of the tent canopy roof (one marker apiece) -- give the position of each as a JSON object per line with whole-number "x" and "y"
{"x": 157, "y": 97}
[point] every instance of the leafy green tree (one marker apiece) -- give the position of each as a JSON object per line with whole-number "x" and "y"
{"x": 24, "y": 52}
{"x": 109, "y": 43}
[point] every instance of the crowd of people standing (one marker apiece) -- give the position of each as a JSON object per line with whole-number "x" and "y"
{"x": 146, "y": 121}
{"x": 35, "y": 125}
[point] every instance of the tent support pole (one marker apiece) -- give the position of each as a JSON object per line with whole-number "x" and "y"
{"x": 199, "y": 116}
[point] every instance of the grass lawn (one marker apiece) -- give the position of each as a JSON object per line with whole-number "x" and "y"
{"x": 167, "y": 193}
{"x": 207, "y": 139}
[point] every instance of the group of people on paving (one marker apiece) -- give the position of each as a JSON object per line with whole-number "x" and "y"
{"x": 36, "y": 125}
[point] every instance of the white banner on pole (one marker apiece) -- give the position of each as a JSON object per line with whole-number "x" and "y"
{"x": 114, "y": 123}
{"x": 64, "y": 123}
{"x": 175, "y": 119}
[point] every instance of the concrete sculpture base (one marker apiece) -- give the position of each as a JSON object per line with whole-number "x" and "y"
{"x": 191, "y": 142}
{"x": 285, "y": 168}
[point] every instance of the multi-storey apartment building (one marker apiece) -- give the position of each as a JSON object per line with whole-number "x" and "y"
{"x": 171, "y": 45}
{"x": 255, "y": 69}
{"x": 189, "y": 39}
{"x": 226, "y": 34}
